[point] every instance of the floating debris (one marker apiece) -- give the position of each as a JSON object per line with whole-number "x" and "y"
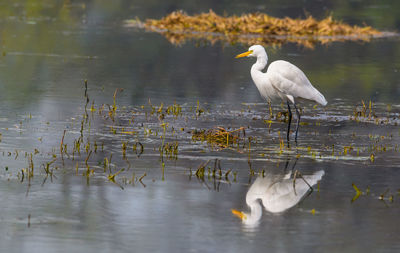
{"x": 254, "y": 28}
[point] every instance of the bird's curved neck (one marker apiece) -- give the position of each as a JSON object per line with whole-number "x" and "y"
{"x": 256, "y": 210}
{"x": 261, "y": 62}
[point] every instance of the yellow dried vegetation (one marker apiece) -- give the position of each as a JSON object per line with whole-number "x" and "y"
{"x": 220, "y": 137}
{"x": 256, "y": 28}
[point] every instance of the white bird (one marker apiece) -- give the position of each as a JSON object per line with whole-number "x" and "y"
{"x": 283, "y": 81}
{"x": 277, "y": 194}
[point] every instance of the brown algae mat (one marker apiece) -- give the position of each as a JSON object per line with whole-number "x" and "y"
{"x": 255, "y": 28}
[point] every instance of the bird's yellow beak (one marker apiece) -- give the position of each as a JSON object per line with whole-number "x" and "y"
{"x": 239, "y": 214}
{"x": 244, "y": 54}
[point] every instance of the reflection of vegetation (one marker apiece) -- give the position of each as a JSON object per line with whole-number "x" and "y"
{"x": 385, "y": 196}
{"x": 178, "y": 27}
{"x": 29, "y": 36}
{"x": 358, "y": 193}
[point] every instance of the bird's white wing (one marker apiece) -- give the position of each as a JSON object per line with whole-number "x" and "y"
{"x": 290, "y": 80}
{"x": 282, "y": 195}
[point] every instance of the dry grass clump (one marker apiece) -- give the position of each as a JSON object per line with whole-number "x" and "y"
{"x": 219, "y": 136}
{"x": 178, "y": 26}
{"x": 256, "y": 23}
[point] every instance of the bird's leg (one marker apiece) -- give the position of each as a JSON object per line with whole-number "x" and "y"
{"x": 298, "y": 122}
{"x": 298, "y": 174}
{"x": 270, "y": 109}
{"x": 286, "y": 164}
{"x": 290, "y": 120}
{"x": 294, "y": 181}
{"x": 294, "y": 165}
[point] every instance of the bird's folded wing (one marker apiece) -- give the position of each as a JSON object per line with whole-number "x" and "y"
{"x": 290, "y": 80}
{"x": 288, "y": 87}
{"x": 284, "y": 195}
{"x": 281, "y": 196}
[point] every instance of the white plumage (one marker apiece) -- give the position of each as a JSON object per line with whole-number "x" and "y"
{"x": 277, "y": 193}
{"x": 282, "y": 80}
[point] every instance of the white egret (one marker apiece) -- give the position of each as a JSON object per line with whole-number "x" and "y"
{"x": 283, "y": 81}
{"x": 277, "y": 194}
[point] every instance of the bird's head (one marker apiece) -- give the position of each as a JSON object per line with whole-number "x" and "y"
{"x": 247, "y": 218}
{"x": 254, "y": 51}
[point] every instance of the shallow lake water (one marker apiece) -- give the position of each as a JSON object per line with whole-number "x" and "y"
{"x": 129, "y": 173}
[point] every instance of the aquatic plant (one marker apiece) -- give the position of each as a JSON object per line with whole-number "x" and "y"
{"x": 171, "y": 150}
{"x": 358, "y": 193}
{"x": 219, "y": 136}
{"x": 214, "y": 175}
{"x": 99, "y": 147}
{"x": 364, "y": 111}
{"x": 384, "y": 196}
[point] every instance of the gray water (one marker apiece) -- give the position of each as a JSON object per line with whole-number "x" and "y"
{"x": 49, "y": 49}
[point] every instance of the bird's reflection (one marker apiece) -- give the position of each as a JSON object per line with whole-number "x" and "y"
{"x": 277, "y": 192}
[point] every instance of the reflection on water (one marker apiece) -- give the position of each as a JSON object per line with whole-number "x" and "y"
{"x": 277, "y": 192}
{"x": 179, "y": 38}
